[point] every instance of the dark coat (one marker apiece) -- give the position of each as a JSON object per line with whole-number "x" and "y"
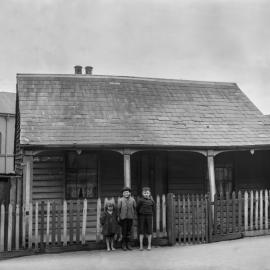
{"x": 145, "y": 206}
{"x": 109, "y": 223}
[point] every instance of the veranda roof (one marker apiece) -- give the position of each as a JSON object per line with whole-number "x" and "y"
{"x": 94, "y": 110}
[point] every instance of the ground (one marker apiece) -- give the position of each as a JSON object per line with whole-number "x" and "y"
{"x": 247, "y": 253}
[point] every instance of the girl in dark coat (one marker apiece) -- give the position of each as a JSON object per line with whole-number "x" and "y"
{"x": 109, "y": 223}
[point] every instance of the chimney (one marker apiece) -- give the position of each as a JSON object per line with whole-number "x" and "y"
{"x": 78, "y": 69}
{"x": 88, "y": 70}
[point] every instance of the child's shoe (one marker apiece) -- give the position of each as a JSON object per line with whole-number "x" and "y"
{"x": 124, "y": 246}
{"x": 129, "y": 246}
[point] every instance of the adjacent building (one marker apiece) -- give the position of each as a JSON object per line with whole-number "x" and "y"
{"x": 7, "y": 129}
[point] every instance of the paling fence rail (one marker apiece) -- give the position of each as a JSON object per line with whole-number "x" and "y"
{"x": 48, "y": 224}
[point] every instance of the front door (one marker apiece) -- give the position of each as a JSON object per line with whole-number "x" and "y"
{"x": 150, "y": 169}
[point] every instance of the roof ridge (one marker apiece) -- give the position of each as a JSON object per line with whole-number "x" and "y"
{"x": 86, "y": 76}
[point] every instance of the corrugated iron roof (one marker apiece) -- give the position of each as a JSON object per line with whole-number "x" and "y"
{"x": 113, "y": 110}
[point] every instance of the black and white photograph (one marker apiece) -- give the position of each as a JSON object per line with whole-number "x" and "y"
{"x": 134, "y": 135}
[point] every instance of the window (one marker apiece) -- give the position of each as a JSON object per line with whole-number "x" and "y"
{"x": 81, "y": 177}
{"x": 224, "y": 178}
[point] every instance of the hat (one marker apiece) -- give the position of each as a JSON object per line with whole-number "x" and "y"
{"x": 126, "y": 189}
{"x": 146, "y": 189}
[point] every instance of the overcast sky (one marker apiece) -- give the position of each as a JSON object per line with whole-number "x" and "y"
{"x": 187, "y": 39}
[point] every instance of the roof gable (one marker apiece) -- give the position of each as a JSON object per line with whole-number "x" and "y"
{"x": 111, "y": 110}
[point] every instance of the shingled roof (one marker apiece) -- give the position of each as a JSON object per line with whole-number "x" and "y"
{"x": 94, "y": 110}
{"x": 7, "y": 102}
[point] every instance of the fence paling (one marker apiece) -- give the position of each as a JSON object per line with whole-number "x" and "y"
{"x": 251, "y": 210}
{"x": 30, "y": 231}
{"x": 158, "y": 216}
{"x": 36, "y": 225}
{"x": 261, "y": 210}
{"x": 164, "y": 228}
{"x": 266, "y": 210}
{"x": 84, "y": 221}
{"x": 65, "y": 223}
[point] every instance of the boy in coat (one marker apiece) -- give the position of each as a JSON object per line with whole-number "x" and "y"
{"x": 126, "y": 208}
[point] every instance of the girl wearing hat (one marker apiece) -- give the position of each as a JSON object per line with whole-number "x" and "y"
{"x": 145, "y": 210}
{"x": 126, "y": 208}
{"x": 109, "y": 223}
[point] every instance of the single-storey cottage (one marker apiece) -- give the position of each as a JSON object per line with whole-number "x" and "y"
{"x": 86, "y": 136}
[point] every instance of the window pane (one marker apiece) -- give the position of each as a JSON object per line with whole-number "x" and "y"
{"x": 81, "y": 175}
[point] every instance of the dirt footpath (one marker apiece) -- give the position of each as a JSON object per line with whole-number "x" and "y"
{"x": 248, "y": 254}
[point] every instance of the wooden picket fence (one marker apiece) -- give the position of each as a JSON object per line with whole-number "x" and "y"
{"x": 60, "y": 224}
{"x": 182, "y": 219}
{"x": 193, "y": 219}
{"x": 256, "y": 213}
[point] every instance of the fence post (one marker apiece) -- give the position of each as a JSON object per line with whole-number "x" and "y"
{"x": 17, "y": 243}
{"x": 246, "y": 211}
{"x": 84, "y": 221}
{"x": 98, "y": 219}
{"x": 171, "y": 219}
{"x": 23, "y": 226}
{"x": 30, "y": 229}
{"x": 209, "y": 230}
{"x": 9, "y": 243}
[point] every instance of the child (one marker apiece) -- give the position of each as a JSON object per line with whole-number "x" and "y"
{"x": 126, "y": 208}
{"x": 145, "y": 210}
{"x": 109, "y": 223}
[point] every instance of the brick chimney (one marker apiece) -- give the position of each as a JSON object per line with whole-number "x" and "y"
{"x": 88, "y": 70}
{"x": 78, "y": 69}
